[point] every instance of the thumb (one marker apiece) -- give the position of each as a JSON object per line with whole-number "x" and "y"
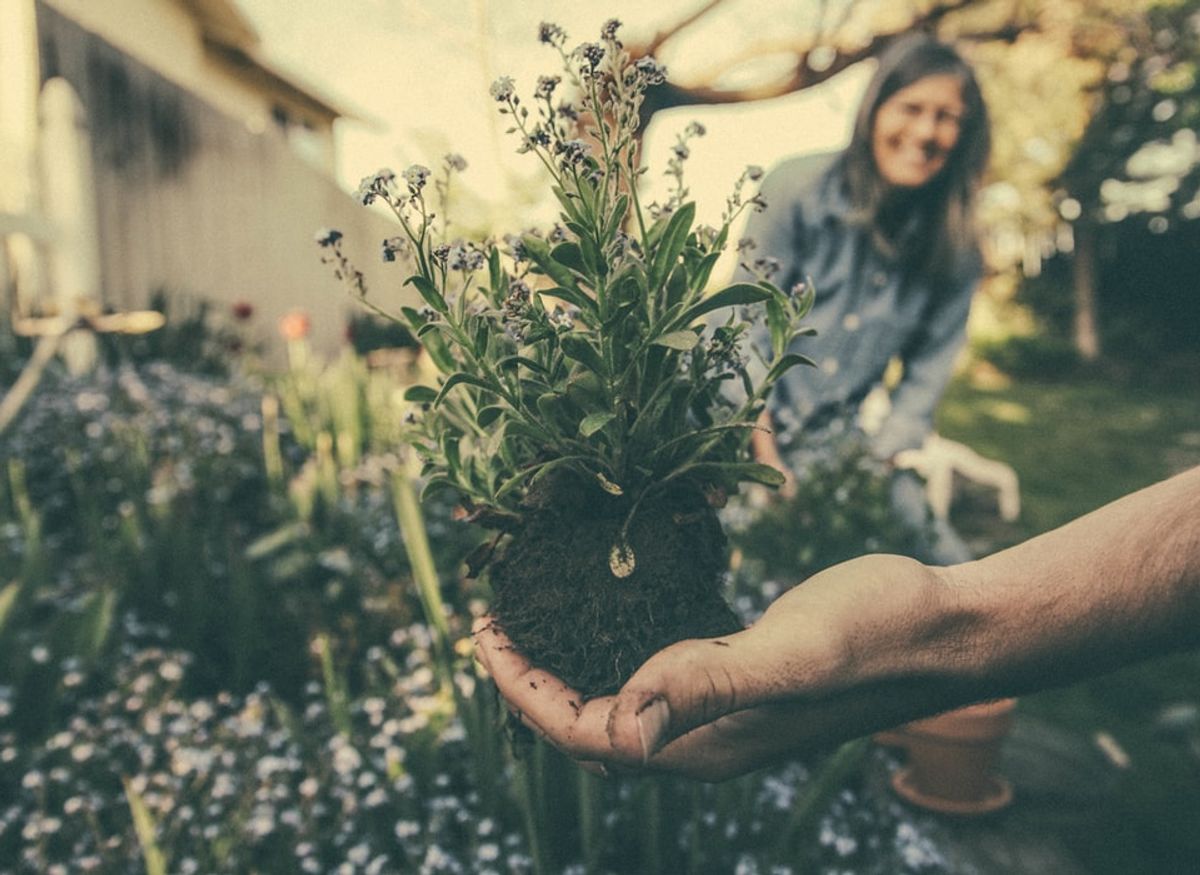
{"x": 680, "y": 688}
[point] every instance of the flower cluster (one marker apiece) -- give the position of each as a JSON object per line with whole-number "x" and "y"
{"x": 241, "y": 783}
{"x": 565, "y": 353}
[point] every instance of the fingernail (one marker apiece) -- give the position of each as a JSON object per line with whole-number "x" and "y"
{"x": 652, "y": 723}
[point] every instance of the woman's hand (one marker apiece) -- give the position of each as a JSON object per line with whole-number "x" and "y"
{"x": 715, "y": 708}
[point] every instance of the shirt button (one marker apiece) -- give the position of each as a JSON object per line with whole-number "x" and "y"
{"x": 880, "y": 279}
{"x": 829, "y": 365}
{"x": 851, "y": 322}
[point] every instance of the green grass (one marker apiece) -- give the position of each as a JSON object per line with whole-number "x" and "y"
{"x": 1077, "y": 444}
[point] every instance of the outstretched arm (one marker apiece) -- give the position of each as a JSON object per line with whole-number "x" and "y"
{"x": 880, "y": 640}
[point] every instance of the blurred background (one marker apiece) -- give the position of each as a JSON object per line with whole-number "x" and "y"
{"x": 205, "y": 563}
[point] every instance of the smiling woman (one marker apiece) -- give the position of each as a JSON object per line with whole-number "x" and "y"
{"x": 916, "y": 130}
{"x": 883, "y": 232}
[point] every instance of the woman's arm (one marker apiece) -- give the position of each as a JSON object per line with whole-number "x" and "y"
{"x": 881, "y": 640}
{"x": 928, "y": 365}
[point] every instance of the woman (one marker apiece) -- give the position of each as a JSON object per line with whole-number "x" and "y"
{"x": 883, "y": 231}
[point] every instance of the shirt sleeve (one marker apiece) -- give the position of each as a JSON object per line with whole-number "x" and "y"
{"x": 928, "y": 364}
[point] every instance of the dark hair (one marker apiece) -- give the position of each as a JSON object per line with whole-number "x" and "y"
{"x": 945, "y": 204}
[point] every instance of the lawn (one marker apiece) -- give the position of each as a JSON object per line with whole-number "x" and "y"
{"x": 1077, "y": 443}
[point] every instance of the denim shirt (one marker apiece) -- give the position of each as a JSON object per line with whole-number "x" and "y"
{"x": 867, "y": 310}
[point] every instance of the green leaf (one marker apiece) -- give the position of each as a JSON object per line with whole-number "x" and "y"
{"x": 547, "y": 405}
{"x": 420, "y": 394}
{"x": 496, "y": 275}
{"x": 677, "y": 284}
{"x": 739, "y": 293}
{"x": 672, "y": 242}
{"x": 95, "y": 623}
{"x": 778, "y": 324}
{"x": 449, "y": 446}
{"x": 483, "y": 330}
{"x": 429, "y": 292}
{"x": 488, "y": 415}
{"x": 458, "y": 379}
{"x": 576, "y": 346}
{"x": 755, "y": 471}
{"x": 571, "y": 255}
{"x": 539, "y": 252}
{"x": 587, "y": 389}
{"x": 593, "y": 422}
{"x": 435, "y": 345}
{"x": 594, "y": 263}
{"x": 144, "y": 828}
{"x": 785, "y": 364}
{"x": 572, "y": 296}
{"x": 699, "y": 436}
{"x": 512, "y": 362}
{"x": 617, "y": 214}
{"x": 8, "y": 598}
{"x": 437, "y": 483}
{"x": 277, "y": 540}
{"x": 807, "y": 298}
{"x": 568, "y": 204}
{"x": 681, "y": 340}
{"x": 704, "y": 270}
{"x": 414, "y": 317}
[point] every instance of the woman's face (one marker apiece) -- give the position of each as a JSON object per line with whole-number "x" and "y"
{"x": 916, "y": 129}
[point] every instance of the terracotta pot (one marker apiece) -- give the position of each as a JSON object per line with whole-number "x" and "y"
{"x": 951, "y": 759}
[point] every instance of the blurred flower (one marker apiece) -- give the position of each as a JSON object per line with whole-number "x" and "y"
{"x": 502, "y": 89}
{"x": 326, "y": 237}
{"x": 295, "y": 325}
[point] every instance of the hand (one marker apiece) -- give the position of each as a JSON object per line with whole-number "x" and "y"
{"x": 712, "y": 709}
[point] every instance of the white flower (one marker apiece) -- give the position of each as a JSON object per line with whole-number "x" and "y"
{"x": 82, "y": 752}
{"x": 416, "y": 176}
{"x": 502, "y": 89}
{"x": 406, "y": 829}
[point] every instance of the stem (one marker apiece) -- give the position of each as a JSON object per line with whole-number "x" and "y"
{"x": 825, "y": 784}
{"x": 591, "y": 801}
{"x": 30, "y": 376}
{"x": 420, "y": 558}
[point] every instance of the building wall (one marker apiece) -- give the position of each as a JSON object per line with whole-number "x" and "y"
{"x": 165, "y": 37}
{"x": 193, "y": 203}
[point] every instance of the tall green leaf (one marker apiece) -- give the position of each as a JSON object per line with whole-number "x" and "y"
{"x": 576, "y": 347}
{"x": 737, "y": 294}
{"x": 429, "y": 292}
{"x": 593, "y": 422}
{"x": 681, "y": 340}
{"x": 459, "y": 379}
{"x": 671, "y": 245}
{"x": 145, "y": 830}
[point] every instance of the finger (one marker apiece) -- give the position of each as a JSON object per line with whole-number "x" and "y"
{"x": 687, "y": 685}
{"x": 729, "y": 746}
{"x": 545, "y": 703}
{"x": 488, "y": 637}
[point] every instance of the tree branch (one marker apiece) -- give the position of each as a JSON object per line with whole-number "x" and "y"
{"x": 801, "y": 75}
{"x": 657, "y": 41}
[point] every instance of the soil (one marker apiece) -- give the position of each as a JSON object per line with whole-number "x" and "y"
{"x": 556, "y": 597}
